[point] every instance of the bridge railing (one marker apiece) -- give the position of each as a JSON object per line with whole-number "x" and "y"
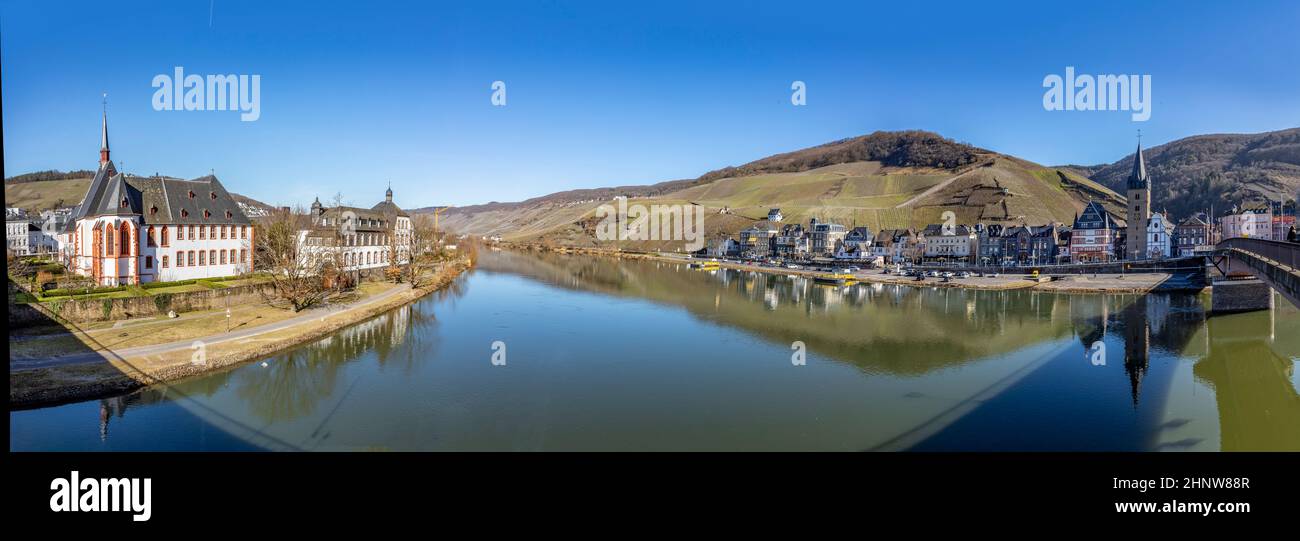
{"x": 1286, "y": 253}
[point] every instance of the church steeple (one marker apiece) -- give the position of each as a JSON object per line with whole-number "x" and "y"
{"x": 103, "y": 142}
{"x": 1139, "y": 206}
{"x": 388, "y": 195}
{"x": 1138, "y": 179}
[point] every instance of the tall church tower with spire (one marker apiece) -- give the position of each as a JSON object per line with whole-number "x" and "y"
{"x": 103, "y": 141}
{"x": 1139, "y": 207}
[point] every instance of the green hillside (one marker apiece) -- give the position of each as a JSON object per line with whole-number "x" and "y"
{"x": 988, "y": 187}
{"x": 45, "y": 194}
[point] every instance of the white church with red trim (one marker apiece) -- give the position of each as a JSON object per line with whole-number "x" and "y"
{"x": 131, "y": 230}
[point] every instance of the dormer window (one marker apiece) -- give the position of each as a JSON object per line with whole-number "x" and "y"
{"x": 191, "y": 194}
{"x": 229, "y": 215}
{"x": 125, "y": 203}
{"x": 184, "y": 213}
{"x": 207, "y": 213}
{"x": 153, "y": 210}
{"x": 212, "y": 195}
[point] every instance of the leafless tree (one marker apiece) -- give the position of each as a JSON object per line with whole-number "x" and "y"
{"x": 300, "y": 272}
{"x": 394, "y": 271}
{"x": 425, "y": 250}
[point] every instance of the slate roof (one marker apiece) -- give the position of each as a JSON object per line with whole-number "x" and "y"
{"x": 936, "y": 230}
{"x": 861, "y": 233}
{"x": 1094, "y": 213}
{"x": 1138, "y": 179}
{"x": 158, "y": 200}
{"x": 368, "y": 220}
{"x": 894, "y": 235}
{"x": 390, "y": 209}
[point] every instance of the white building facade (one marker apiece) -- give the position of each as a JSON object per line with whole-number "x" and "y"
{"x": 1160, "y": 237}
{"x": 360, "y": 239}
{"x": 1254, "y": 223}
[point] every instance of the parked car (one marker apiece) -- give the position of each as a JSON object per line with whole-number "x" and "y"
{"x": 791, "y": 266}
{"x": 852, "y": 269}
{"x": 964, "y": 274}
{"x": 992, "y": 275}
{"x": 948, "y": 274}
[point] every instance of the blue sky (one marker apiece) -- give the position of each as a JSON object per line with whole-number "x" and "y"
{"x": 357, "y": 94}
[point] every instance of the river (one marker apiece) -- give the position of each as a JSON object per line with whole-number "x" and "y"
{"x": 555, "y": 352}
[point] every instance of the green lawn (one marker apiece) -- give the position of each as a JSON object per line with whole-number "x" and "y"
{"x": 176, "y": 289}
{"x": 138, "y": 291}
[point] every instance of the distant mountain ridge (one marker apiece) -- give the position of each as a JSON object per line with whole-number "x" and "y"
{"x": 880, "y": 180}
{"x": 46, "y": 190}
{"x": 910, "y": 148}
{"x": 1212, "y": 171}
{"x": 49, "y": 174}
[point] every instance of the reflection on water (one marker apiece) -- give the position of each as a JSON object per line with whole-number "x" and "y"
{"x": 609, "y": 354}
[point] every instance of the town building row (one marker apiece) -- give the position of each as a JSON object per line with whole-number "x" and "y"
{"x": 1096, "y": 236}
{"x": 129, "y": 229}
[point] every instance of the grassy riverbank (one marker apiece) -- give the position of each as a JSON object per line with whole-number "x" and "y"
{"x": 116, "y": 373}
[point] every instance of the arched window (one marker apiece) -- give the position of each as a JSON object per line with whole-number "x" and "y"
{"x": 109, "y": 245}
{"x": 165, "y": 239}
{"x": 126, "y": 239}
{"x": 150, "y": 239}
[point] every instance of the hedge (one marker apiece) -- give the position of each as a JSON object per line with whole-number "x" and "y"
{"x": 207, "y": 282}
{"x": 63, "y": 292}
{"x": 152, "y": 285}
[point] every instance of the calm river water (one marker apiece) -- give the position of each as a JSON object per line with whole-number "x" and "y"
{"x": 602, "y": 354}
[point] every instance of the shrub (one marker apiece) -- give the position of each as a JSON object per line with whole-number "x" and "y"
{"x": 155, "y": 285}
{"x": 393, "y": 273}
{"x": 63, "y": 292}
{"x": 162, "y": 302}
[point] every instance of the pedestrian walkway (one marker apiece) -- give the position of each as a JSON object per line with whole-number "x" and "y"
{"x": 157, "y": 349}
